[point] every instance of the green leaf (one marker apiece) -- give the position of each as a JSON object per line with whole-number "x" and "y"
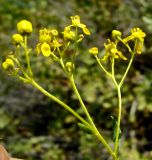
{"x": 84, "y": 128}
{"x": 114, "y": 128}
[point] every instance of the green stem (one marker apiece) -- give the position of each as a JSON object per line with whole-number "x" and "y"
{"x": 36, "y": 85}
{"x": 118, "y": 87}
{"x": 128, "y": 67}
{"x": 76, "y": 44}
{"x": 27, "y": 56}
{"x": 113, "y": 71}
{"x": 80, "y": 99}
{"x": 118, "y": 121}
{"x": 62, "y": 65}
{"x": 102, "y": 67}
{"x": 95, "y": 130}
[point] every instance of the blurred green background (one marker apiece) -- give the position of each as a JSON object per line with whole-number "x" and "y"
{"x": 34, "y": 127}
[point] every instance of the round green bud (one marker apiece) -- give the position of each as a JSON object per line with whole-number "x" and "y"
{"x": 115, "y": 34}
{"x": 8, "y": 64}
{"x": 17, "y": 39}
{"x": 24, "y": 27}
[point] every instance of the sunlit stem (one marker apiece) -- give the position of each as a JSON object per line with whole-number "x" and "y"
{"x": 36, "y": 85}
{"x": 118, "y": 87}
{"x": 128, "y": 67}
{"x": 94, "y": 129}
{"x": 102, "y": 67}
{"x": 113, "y": 71}
{"x": 116, "y": 145}
{"x": 75, "y": 44}
{"x": 62, "y": 65}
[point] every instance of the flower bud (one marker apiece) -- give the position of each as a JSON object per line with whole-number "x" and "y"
{"x": 17, "y": 39}
{"x": 94, "y": 51}
{"x": 115, "y": 34}
{"x": 81, "y": 37}
{"x": 24, "y": 27}
{"x": 54, "y": 33}
{"x": 44, "y": 35}
{"x": 69, "y": 66}
{"x": 8, "y": 64}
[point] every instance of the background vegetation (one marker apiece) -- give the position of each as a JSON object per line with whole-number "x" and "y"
{"x": 33, "y": 127}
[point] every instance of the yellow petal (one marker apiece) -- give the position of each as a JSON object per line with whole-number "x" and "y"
{"x": 125, "y": 40}
{"x": 86, "y": 30}
{"x": 121, "y": 55}
{"x": 82, "y": 25}
{"x": 37, "y": 49}
{"x": 139, "y": 46}
{"x": 104, "y": 58}
{"x": 46, "y": 50}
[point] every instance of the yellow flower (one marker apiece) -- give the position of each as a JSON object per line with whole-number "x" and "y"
{"x": 24, "y": 27}
{"x": 68, "y": 34}
{"x": 17, "y": 39}
{"x": 8, "y": 64}
{"x": 76, "y": 22}
{"x": 55, "y": 43}
{"x": 44, "y": 48}
{"x": 47, "y": 41}
{"x": 138, "y": 35}
{"x": 44, "y": 35}
{"x": 94, "y": 51}
{"x": 112, "y": 51}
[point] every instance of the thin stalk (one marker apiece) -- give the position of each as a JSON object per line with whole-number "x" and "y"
{"x": 102, "y": 67}
{"x": 103, "y": 141}
{"x": 27, "y": 56}
{"x": 80, "y": 99}
{"x": 62, "y": 65}
{"x": 36, "y": 85}
{"x": 128, "y": 67}
{"x": 116, "y": 145}
{"x": 118, "y": 87}
{"x": 113, "y": 71}
{"x": 95, "y": 130}
{"x": 75, "y": 44}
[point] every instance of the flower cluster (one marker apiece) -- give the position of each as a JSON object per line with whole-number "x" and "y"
{"x": 112, "y": 51}
{"x": 111, "y": 48}
{"x": 48, "y": 42}
{"x": 69, "y": 33}
{"x": 138, "y": 36}
{"x": 24, "y": 28}
{"x": 76, "y": 23}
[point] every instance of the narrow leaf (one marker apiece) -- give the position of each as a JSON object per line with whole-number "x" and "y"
{"x": 114, "y": 129}
{"x": 84, "y": 128}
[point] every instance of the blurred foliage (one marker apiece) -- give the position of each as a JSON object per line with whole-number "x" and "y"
{"x": 34, "y": 127}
